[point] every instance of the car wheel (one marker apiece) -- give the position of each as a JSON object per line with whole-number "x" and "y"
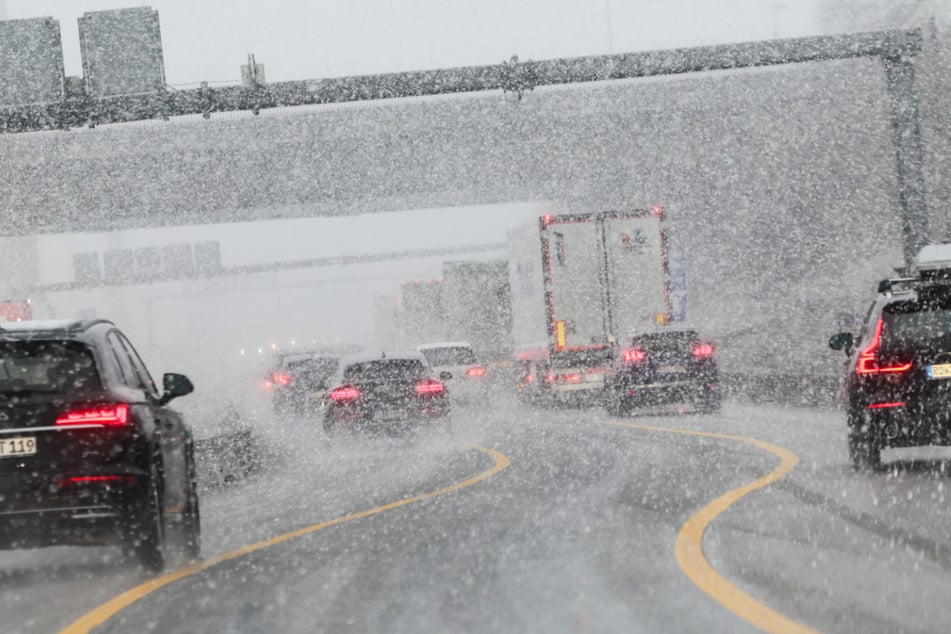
{"x": 616, "y": 404}
{"x": 146, "y": 533}
{"x": 708, "y": 402}
{"x": 191, "y": 518}
{"x": 865, "y": 453}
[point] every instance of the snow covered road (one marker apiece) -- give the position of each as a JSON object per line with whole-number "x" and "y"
{"x": 578, "y": 533}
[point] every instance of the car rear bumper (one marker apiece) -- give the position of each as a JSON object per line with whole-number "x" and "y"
{"x": 909, "y": 425}
{"x": 67, "y": 507}
{"x": 370, "y": 423}
{"x": 664, "y": 392}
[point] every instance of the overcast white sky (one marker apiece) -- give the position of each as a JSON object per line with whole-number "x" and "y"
{"x": 304, "y": 39}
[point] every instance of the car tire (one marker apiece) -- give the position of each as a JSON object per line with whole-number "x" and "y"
{"x": 708, "y": 402}
{"x": 865, "y": 452}
{"x": 146, "y": 534}
{"x": 191, "y": 517}
{"x": 616, "y": 404}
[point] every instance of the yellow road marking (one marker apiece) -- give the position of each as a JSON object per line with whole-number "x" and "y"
{"x": 107, "y": 610}
{"x": 689, "y": 546}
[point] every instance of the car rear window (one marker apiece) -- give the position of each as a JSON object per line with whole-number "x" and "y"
{"x": 46, "y": 366}
{"x": 314, "y": 368}
{"x": 450, "y": 355}
{"x": 385, "y": 370}
{"x": 918, "y": 320}
{"x": 667, "y": 343}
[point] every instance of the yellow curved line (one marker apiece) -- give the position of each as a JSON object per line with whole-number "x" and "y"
{"x": 107, "y": 610}
{"x": 689, "y": 546}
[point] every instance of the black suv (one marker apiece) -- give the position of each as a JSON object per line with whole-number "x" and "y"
{"x": 386, "y": 396}
{"x": 669, "y": 365}
{"x": 297, "y": 380}
{"x": 898, "y": 383}
{"x": 89, "y": 452}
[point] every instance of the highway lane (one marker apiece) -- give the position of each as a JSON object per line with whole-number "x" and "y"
{"x": 576, "y": 535}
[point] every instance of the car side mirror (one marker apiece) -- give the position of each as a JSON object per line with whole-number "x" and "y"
{"x": 445, "y": 376}
{"x": 175, "y": 385}
{"x": 841, "y": 341}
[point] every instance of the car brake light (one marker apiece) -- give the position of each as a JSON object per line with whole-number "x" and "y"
{"x": 529, "y": 378}
{"x": 96, "y": 480}
{"x": 281, "y": 379}
{"x": 344, "y": 394}
{"x": 476, "y": 371}
{"x": 703, "y": 350}
{"x": 886, "y": 405}
{"x": 633, "y": 355}
{"x": 105, "y": 415}
{"x": 867, "y": 362}
{"x": 429, "y": 387}
{"x": 570, "y": 378}
{"x": 550, "y": 377}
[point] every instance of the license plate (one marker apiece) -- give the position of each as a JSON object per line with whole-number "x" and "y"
{"x": 940, "y": 371}
{"x": 17, "y": 446}
{"x": 671, "y": 369}
{"x": 390, "y": 414}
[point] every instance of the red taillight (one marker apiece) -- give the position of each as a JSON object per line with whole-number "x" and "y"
{"x": 570, "y": 378}
{"x": 633, "y": 355}
{"x": 429, "y": 387}
{"x": 867, "y": 362}
{"x": 344, "y": 394}
{"x": 96, "y": 480}
{"x": 887, "y": 405}
{"x": 476, "y": 371}
{"x": 703, "y": 350}
{"x": 105, "y": 415}
{"x": 550, "y": 377}
{"x": 529, "y": 378}
{"x": 281, "y": 379}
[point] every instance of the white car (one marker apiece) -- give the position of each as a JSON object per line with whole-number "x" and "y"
{"x": 469, "y": 382}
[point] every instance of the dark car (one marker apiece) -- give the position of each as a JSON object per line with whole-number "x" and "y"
{"x": 669, "y": 365}
{"x": 90, "y": 454}
{"x": 386, "y": 396}
{"x": 898, "y": 381}
{"x": 296, "y": 380}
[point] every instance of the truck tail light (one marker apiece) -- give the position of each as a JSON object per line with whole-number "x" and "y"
{"x": 344, "y": 394}
{"x": 104, "y": 415}
{"x": 475, "y": 371}
{"x": 867, "y": 362}
{"x": 703, "y": 350}
{"x": 281, "y": 378}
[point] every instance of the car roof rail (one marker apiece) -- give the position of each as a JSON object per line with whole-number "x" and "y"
{"x": 887, "y": 286}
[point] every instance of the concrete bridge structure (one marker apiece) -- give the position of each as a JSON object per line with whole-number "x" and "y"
{"x": 780, "y": 183}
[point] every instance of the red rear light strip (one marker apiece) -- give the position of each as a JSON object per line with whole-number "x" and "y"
{"x": 105, "y": 415}
{"x": 96, "y": 479}
{"x": 476, "y": 371}
{"x": 889, "y": 404}
{"x": 702, "y": 350}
